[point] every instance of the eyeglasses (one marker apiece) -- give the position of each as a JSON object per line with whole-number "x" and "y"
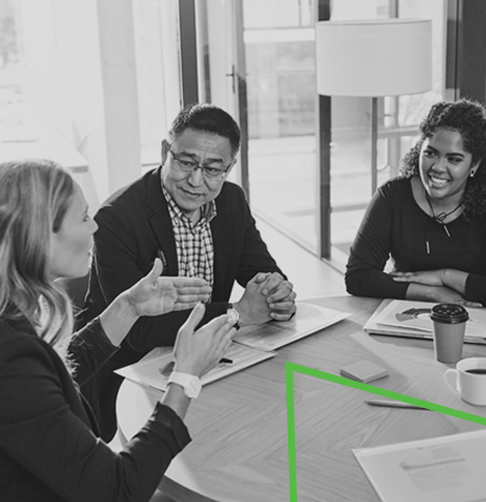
{"x": 209, "y": 172}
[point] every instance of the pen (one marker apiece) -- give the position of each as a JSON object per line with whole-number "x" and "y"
{"x": 225, "y": 361}
{"x": 393, "y": 404}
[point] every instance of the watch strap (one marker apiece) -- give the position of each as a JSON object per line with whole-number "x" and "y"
{"x": 190, "y": 383}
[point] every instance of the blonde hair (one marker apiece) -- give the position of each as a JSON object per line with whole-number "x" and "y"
{"x": 34, "y": 197}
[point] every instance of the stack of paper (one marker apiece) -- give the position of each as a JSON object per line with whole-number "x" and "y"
{"x": 443, "y": 469}
{"x": 412, "y": 319}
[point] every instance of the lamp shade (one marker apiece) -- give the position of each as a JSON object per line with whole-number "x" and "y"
{"x": 379, "y": 57}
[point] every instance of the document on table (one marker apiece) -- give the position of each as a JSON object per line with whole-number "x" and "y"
{"x": 308, "y": 319}
{"x": 411, "y": 318}
{"x": 154, "y": 369}
{"x": 442, "y": 469}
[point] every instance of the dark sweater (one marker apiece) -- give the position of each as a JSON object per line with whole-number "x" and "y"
{"x": 394, "y": 225}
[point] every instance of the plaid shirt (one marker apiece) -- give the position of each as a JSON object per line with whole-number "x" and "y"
{"x": 194, "y": 242}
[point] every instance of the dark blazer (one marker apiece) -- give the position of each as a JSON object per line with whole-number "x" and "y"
{"x": 49, "y": 451}
{"x": 134, "y": 227}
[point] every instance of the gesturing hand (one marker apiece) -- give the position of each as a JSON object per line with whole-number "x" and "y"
{"x": 155, "y": 294}
{"x": 197, "y": 352}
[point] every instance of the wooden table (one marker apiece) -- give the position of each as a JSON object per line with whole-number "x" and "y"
{"x": 239, "y": 425}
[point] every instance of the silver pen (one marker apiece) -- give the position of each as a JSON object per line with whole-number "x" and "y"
{"x": 393, "y": 404}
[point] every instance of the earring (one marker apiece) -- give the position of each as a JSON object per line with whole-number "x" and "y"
{"x": 472, "y": 173}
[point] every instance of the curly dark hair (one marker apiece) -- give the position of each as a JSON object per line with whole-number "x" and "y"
{"x": 468, "y": 118}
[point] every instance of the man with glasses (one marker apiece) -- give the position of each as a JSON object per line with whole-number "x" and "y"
{"x": 199, "y": 225}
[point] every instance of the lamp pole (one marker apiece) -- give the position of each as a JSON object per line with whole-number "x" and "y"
{"x": 374, "y": 144}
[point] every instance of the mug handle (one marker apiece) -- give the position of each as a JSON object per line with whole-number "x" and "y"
{"x": 450, "y": 378}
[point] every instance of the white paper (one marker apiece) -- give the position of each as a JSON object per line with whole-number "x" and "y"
{"x": 404, "y": 317}
{"x": 443, "y": 469}
{"x": 308, "y": 319}
{"x": 154, "y": 369}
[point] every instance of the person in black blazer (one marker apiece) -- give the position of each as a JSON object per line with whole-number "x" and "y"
{"x": 50, "y": 449}
{"x": 219, "y": 241}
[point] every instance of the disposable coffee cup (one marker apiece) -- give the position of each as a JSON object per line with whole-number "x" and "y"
{"x": 468, "y": 380}
{"x": 449, "y": 323}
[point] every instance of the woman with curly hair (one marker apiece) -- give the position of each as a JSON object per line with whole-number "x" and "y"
{"x": 431, "y": 220}
{"x": 49, "y": 445}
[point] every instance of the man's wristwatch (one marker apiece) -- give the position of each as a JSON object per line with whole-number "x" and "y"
{"x": 190, "y": 383}
{"x": 234, "y": 315}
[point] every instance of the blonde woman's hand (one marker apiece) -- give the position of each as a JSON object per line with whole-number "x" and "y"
{"x": 197, "y": 352}
{"x": 155, "y": 294}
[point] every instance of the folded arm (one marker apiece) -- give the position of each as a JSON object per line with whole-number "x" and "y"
{"x": 444, "y": 285}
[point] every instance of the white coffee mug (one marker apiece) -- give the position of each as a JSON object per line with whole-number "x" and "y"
{"x": 469, "y": 380}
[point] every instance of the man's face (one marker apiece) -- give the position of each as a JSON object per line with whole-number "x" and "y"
{"x": 191, "y": 191}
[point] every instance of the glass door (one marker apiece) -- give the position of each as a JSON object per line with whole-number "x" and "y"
{"x": 260, "y": 56}
{"x": 278, "y": 41}
{"x": 258, "y": 63}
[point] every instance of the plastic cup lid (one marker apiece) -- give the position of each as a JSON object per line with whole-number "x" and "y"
{"x": 449, "y": 313}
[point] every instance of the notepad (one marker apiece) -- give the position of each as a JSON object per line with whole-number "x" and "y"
{"x": 364, "y": 371}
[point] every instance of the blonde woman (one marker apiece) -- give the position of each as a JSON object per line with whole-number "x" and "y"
{"x": 49, "y": 449}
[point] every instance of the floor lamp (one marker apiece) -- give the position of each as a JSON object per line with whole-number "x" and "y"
{"x": 374, "y": 58}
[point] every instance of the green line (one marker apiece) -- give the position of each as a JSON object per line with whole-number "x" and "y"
{"x": 386, "y": 393}
{"x": 289, "y": 374}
